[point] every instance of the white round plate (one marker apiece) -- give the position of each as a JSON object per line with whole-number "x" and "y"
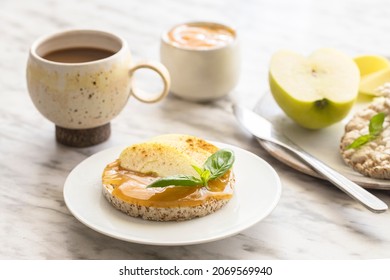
{"x": 257, "y": 191}
{"x": 323, "y": 143}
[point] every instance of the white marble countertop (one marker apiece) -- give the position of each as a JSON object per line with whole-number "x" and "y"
{"x": 313, "y": 219}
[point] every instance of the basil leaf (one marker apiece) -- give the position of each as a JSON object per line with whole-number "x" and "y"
{"x": 219, "y": 163}
{"x": 360, "y": 141}
{"x": 375, "y": 127}
{"x": 198, "y": 169}
{"x": 205, "y": 176}
{"x": 178, "y": 180}
{"x": 203, "y": 173}
{"x": 215, "y": 166}
{"x": 376, "y": 124}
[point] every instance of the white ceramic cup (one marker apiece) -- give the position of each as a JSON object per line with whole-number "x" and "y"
{"x": 198, "y": 73}
{"x": 79, "y": 98}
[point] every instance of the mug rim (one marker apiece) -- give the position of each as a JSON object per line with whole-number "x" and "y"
{"x": 45, "y": 38}
{"x": 232, "y": 29}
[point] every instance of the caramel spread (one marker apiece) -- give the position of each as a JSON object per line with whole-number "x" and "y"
{"x": 201, "y": 36}
{"x": 130, "y": 186}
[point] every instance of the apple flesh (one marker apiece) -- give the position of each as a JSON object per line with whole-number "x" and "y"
{"x": 315, "y": 91}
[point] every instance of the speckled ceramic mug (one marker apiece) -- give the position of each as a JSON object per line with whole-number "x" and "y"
{"x": 81, "y": 98}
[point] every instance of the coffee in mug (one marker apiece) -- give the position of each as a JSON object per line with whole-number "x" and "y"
{"x": 82, "y": 79}
{"x": 77, "y": 55}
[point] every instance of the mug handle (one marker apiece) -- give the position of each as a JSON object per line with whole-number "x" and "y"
{"x": 161, "y": 70}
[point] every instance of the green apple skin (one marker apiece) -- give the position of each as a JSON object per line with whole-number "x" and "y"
{"x": 311, "y": 115}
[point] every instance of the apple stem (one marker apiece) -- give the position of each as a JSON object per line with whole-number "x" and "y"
{"x": 321, "y": 104}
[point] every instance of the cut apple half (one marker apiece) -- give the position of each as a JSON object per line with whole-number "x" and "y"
{"x": 315, "y": 91}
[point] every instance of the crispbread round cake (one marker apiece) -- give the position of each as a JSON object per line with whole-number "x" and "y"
{"x": 373, "y": 158}
{"x": 163, "y": 214}
{"x": 125, "y": 180}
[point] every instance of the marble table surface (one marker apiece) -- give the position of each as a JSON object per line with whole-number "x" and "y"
{"x": 313, "y": 220}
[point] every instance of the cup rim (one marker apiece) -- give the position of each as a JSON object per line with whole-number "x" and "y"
{"x": 232, "y": 29}
{"x": 41, "y": 40}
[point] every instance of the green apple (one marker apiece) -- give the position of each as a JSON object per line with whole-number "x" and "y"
{"x": 315, "y": 91}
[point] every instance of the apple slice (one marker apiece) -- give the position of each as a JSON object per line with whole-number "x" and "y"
{"x": 369, "y": 64}
{"x": 371, "y": 84}
{"x": 315, "y": 91}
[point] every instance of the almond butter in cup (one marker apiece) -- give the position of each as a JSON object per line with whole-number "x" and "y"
{"x": 202, "y": 58}
{"x": 201, "y": 36}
